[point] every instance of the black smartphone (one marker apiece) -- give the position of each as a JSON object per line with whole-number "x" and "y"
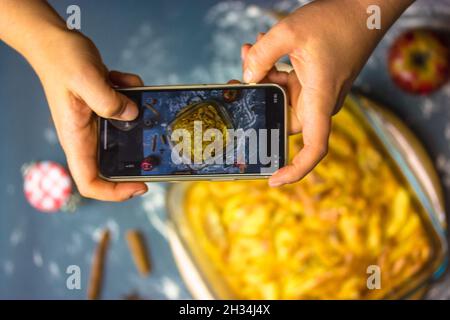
{"x": 197, "y": 132}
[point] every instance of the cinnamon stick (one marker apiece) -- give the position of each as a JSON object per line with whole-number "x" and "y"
{"x": 98, "y": 261}
{"x": 138, "y": 250}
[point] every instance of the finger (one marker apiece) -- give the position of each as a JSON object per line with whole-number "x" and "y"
{"x": 106, "y": 102}
{"x": 295, "y": 126}
{"x": 125, "y": 80}
{"x": 233, "y": 81}
{"x": 84, "y": 170}
{"x": 265, "y": 53}
{"x": 244, "y": 50}
{"x": 80, "y": 146}
{"x": 278, "y": 77}
{"x": 316, "y": 130}
{"x": 293, "y": 88}
{"x": 82, "y": 161}
{"x": 274, "y": 75}
{"x": 260, "y": 35}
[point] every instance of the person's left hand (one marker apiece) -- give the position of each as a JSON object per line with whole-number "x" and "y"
{"x": 79, "y": 88}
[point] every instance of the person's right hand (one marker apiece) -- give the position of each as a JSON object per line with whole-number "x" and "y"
{"x": 328, "y": 43}
{"x": 78, "y": 88}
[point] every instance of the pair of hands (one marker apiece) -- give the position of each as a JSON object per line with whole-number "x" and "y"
{"x": 327, "y": 47}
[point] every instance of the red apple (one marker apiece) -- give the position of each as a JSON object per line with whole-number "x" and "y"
{"x": 419, "y": 61}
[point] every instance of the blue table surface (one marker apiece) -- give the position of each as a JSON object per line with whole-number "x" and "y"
{"x": 166, "y": 42}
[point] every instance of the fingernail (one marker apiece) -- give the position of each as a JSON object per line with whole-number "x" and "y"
{"x": 274, "y": 184}
{"x": 130, "y": 112}
{"x": 139, "y": 193}
{"x": 248, "y": 75}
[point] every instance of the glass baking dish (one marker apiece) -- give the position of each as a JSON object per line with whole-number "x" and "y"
{"x": 404, "y": 152}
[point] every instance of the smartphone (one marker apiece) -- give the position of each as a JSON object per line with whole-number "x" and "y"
{"x": 196, "y": 132}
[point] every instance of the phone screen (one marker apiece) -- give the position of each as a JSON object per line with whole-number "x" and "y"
{"x": 201, "y": 131}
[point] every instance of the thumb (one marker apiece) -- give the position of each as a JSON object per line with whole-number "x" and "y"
{"x": 106, "y": 102}
{"x": 316, "y": 131}
{"x": 267, "y": 50}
